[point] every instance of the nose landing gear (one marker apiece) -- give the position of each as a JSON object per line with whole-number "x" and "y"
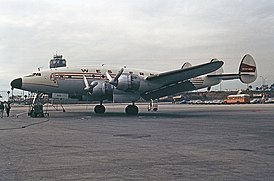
{"x": 36, "y": 108}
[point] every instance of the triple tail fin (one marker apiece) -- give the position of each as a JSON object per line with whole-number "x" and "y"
{"x": 247, "y": 71}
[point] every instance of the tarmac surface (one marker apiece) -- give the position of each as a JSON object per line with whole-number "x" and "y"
{"x": 179, "y": 142}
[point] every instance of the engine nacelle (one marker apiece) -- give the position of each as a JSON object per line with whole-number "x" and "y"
{"x": 127, "y": 82}
{"x": 102, "y": 90}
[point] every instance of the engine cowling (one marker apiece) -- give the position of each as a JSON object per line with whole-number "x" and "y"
{"x": 128, "y": 82}
{"x": 102, "y": 90}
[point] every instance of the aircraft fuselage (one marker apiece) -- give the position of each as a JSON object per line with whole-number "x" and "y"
{"x": 70, "y": 80}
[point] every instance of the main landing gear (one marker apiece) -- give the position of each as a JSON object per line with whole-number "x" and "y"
{"x": 130, "y": 109}
{"x": 100, "y": 109}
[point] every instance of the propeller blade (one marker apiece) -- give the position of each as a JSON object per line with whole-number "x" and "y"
{"x": 87, "y": 87}
{"x": 108, "y": 76}
{"x": 118, "y": 74}
{"x": 93, "y": 84}
{"x": 114, "y": 81}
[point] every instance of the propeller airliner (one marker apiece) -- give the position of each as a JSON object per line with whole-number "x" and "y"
{"x": 129, "y": 85}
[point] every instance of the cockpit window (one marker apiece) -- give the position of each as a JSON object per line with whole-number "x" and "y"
{"x": 34, "y": 74}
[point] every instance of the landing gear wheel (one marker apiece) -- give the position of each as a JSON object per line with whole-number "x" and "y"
{"x": 132, "y": 110}
{"x": 99, "y": 109}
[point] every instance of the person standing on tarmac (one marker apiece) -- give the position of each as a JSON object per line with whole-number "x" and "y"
{"x": 7, "y": 108}
{"x": 1, "y": 109}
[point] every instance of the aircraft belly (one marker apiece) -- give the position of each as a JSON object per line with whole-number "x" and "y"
{"x": 123, "y": 96}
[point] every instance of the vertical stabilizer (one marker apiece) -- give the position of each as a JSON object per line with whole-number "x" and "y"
{"x": 247, "y": 69}
{"x": 186, "y": 65}
{"x": 219, "y": 71}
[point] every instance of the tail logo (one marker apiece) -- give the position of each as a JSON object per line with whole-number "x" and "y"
{"x": 247, "y": 68}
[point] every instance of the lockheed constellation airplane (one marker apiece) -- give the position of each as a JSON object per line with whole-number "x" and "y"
{"x": 129, "y": 85}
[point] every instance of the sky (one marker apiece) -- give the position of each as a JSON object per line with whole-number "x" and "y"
{"x": 148, "y": 34}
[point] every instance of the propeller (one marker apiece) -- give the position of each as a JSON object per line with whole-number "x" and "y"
{"x": 89, "y": 87}
{"x": 114, "y": 81}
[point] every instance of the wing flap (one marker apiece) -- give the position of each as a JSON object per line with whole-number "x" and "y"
{"x": 185, "y": 74}
{"x": 168, "y": 90}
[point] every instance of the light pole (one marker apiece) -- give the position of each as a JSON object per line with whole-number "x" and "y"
{"x": 263, "y": 80}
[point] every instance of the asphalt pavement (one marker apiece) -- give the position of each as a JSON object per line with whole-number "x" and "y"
{"x": 178, "y": 142}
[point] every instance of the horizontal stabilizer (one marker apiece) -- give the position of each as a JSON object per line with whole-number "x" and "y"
{"x": 225, "y": 76}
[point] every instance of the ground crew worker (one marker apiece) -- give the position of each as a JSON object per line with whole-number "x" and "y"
{"x": 7, "y": 108}
{"x": 1, "y": 109}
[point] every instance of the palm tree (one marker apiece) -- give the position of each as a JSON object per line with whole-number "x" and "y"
{"x": 8, "y": 95}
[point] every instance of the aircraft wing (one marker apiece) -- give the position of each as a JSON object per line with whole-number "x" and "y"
{"x": 178, "y": 75}
{"x": 168, "y": 90}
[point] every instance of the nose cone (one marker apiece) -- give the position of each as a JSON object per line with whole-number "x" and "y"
{"x": 16, "y": 83}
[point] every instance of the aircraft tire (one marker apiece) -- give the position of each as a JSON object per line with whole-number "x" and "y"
{"x": 132, "y": 110}
{"x": 99, "y": 109}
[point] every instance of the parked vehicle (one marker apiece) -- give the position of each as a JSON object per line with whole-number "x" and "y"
{"x": 237, "y": 99}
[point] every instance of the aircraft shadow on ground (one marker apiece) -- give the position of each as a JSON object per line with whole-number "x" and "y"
{"x": 152, "y": 115}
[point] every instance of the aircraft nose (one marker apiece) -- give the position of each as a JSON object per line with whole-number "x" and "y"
{"x": 16, "y": 83}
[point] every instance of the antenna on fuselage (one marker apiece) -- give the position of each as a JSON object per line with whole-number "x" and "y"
{"x": 39, "y": 68}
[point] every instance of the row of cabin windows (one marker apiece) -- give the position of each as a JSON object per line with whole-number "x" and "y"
{"x": 93, "y": 75}
{"x": 70, "y": 76}
{"x": 109, "y": 71}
